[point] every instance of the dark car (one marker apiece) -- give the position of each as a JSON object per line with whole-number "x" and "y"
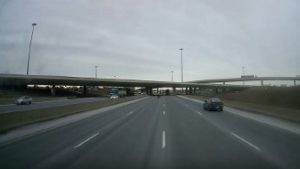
{"x": 213, "y": 104}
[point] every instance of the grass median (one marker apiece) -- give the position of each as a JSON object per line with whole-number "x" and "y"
{"x": 16, "y": 119}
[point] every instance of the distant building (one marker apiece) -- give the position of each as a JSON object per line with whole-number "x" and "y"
{"x": 247, "y": 76}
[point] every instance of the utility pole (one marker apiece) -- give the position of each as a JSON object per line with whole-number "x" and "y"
{"x": 243, "y": 73}
{"x": 243, "y": 70}
{"x": 29, "y": 50}
{"x": 181, "y": 49}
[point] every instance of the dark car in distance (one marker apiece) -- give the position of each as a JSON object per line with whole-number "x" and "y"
{"x": 213, "y": 104}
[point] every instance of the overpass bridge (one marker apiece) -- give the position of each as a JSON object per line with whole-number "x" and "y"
{"x": 24, "y": 80}
{"x": 243, "y": 79}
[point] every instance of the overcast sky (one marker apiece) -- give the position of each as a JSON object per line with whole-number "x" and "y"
{"x": 140, "y": 39}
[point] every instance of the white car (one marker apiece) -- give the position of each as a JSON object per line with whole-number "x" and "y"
{"x": 24, "y": 100}
{"x": 114, "y": 97}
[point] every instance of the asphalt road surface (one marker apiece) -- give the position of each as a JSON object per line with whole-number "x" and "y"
{"x": 47, "y": 104}
{"x": 165, "y": 132}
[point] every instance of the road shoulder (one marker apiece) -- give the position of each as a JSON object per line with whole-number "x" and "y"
{"x": 272, "y": 121}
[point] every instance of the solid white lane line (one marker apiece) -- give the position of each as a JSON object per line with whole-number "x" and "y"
{"x": 163, "y": 144}
{"x": 200, "y": 113}
{"x": 86, "y": 140}
{"x": 164, "y": 113}
{"x": 245, "y": 141}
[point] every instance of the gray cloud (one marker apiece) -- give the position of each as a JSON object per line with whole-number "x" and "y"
{"x": 140, "y": 39}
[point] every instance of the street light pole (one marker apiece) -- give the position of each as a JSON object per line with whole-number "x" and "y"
{"x": 243, "y": 70}
{"x": 243, "y": 73}
{"x": 181, "y": 64}
{"x": 96, "y": 71}
{"x": 172, "y": 75}
{"x": 29, "y": 51}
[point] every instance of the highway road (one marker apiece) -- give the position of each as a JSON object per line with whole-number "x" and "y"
{"x": 165, "y": 132}
{"x": 47, "y": 104}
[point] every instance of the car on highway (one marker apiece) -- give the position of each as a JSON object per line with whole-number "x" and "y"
{"x": 213, "y": 104}
{"x": 23, "y": 100}
{"x": 114, "y": 96}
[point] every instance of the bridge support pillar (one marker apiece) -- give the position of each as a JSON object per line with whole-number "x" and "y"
{"x": 84, "y": 90}
{"x": 262, "y": 83}
{"x": 53, "y": 90}
{"x": 190, "y": 90}
{"x": 223, "y": 83}
{"x": 295, "y": 83}
{"x": 194, "y": 90}
{"x": 186, "y": 91}
{"x": 149, "y": 91}
{"x": 223, "y": 89}
{"x": 174, "y": 90}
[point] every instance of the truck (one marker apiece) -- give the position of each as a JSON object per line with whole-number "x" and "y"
{"x": 118, "y": 92}
{"x": 122, "y": 93}
{"x": 247, "y": 76}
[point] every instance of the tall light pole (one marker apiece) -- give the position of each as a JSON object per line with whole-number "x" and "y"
{"x": 181, "y": 64}
{"x": 172, "y": 75}
{"x": 96, "y": 71}
{"x": 243, "y": 70}
{"x": 243, "y": 73}
{"x": 29, "y": 51}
